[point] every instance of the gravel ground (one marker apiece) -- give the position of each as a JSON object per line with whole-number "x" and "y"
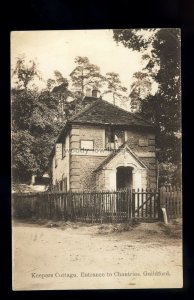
{"x": 49, "y": 256}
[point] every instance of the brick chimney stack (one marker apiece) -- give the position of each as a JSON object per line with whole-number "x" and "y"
{"x": 88, "y": 92}
{"x": 91, "y": 96}
{"x": 95, "y": 93}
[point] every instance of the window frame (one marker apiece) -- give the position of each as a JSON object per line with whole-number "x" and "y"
{"x": 110, "y": 133}
{"x": 64, "y": 149}
{"x": 56, "y": 161}
{"x": 143, "y": 142}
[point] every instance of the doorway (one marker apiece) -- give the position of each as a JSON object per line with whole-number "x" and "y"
{"x": 124, "y": 178}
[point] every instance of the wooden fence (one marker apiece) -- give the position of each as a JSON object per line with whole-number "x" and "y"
{"x": 146, "y": 204}
{"x": 171, "y": 199}
{"x": 98, "y": 207}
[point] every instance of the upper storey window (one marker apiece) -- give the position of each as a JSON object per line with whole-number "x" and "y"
{"x": 114, "y": 138}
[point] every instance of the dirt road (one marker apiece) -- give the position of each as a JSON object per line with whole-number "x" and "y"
{"x": 77, "y": 256}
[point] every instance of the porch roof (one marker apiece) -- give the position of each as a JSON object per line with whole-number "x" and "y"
{"x": 116, "y": 152}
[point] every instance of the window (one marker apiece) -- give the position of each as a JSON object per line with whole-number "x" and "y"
{"x": 56, "y": 161}
{"x": 65, "y": 184}
{"x": 143, "y": 142}
{"x": 114, "y": 138}
{"x": 61, "y": 185}
{"x": 58, "y": 153}
{"x": 64, "y": 149}
{"x": 57, "y": 185}
{"x": 120, "y": 136}
{"x": 87, "y": 144}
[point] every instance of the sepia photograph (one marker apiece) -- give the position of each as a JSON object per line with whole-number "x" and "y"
{"x": 96, "y": 144}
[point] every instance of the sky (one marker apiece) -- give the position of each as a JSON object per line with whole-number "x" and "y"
{"x": 56, "y": 50}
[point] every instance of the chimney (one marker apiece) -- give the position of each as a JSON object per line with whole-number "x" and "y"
{"x": 95, "y": 93}
{"x": 88, "y": 92}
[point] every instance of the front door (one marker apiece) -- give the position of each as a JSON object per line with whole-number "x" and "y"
{"x": 124, "y": 180}
{"x": 124, "y": 177}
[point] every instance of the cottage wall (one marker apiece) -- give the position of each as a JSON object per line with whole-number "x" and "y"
{"x": 60, "y": 165}
{"x": 100, "y": 180}
{"x": 96, "y": 134}
{"x": 83, "y": 163}
{"x": 81, "y": 172}
{"x": 143, "y": 145}
{"x": 78, "y": 165}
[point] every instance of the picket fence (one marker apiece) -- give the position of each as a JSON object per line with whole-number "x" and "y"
{"x": 99, "y": 207}
{"x": 171, "y": 199}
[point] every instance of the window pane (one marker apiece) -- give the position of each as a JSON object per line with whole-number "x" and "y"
{"x": 114, "y": 138}
{"x": 64, "y": 149}
{"x": 119, "y": 137}
{"x": 143, "y": 142}
{"x": 109, "y": 138}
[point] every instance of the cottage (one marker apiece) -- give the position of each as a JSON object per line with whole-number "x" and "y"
{"x": 103, "y": 148}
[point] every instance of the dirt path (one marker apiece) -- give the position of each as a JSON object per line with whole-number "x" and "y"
{"x": 90, "y": 257}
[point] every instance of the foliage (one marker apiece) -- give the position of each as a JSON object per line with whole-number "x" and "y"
{"x": 33, "y": 132}
{"x": 59, "y": 92}
{"x": 23, "y": 160}
{"x": 85, "y": 74}
{"x": 169, "y": 173}
{"x": 140, "y": 89}
{"x": 24, "y": 72}
{"x": 114, "y": 86}
{"x": 35, "y": 126}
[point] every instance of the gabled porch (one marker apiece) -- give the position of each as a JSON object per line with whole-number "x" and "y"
{"x": 121, "y": 169}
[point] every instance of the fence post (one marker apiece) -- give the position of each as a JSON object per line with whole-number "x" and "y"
{"x": 161, "y": 203}
{"x": 133, "y": 203}
{"x": 159, "y": 206}
{"x": 129, "y": 193}
{"x": 72, "y": 205}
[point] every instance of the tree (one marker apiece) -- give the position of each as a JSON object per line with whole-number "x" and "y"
{"x": 164, "y": 52}
{"x": 85, "y": 74}
{"x": 23, "y": 160}
{"x": 24, "y": 72}
{"x": 114, "y": 86}
{"x": 58, "y": 89}
{"x": 160, "y": 50}
{"x": 34, "y": 126}
{"x": 140, "y": 89}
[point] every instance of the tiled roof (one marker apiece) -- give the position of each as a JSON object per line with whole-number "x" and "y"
{"x": 103, "y": 112}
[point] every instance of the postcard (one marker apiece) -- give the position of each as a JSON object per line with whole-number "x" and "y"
{"x": 96, "y": 159}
